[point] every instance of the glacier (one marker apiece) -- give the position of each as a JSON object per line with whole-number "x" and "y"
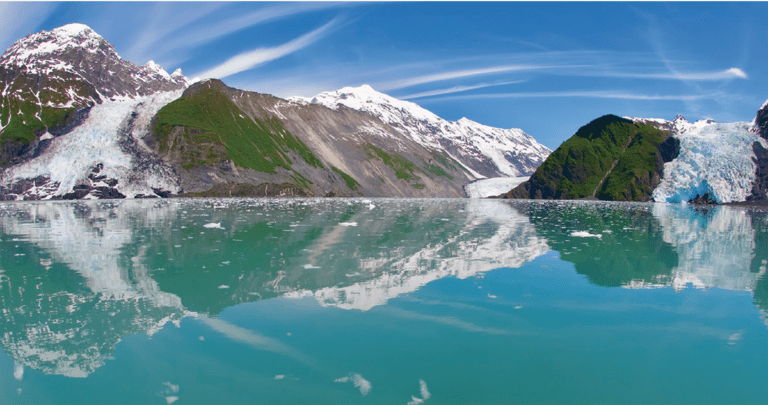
{"x": 111, "y": 136}
{"x": 715, "y": 159}
{"x": 485, "y": 188}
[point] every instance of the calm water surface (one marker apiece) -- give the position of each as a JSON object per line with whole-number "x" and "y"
{"x": 352, "y": 301}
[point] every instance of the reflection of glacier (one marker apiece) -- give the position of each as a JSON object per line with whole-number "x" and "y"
{"x": 494, "y": 235}
{"x": 50, "y": 321}
{"x": 714, "y": 249}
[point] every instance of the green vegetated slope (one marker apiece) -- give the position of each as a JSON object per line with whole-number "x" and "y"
{"x": 212, "y": 127}
{"x": 30, "y": 105}
{"x": 611, "y": 158}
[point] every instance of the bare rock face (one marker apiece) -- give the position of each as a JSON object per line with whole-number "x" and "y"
{"x": 761, "y": 121}
{"x": 760, "y": 188}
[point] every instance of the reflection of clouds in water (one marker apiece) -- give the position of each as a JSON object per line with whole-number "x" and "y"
{"x": 715, "y": 247}
{"x": 493, "y": 235}
{"x": 358, "y": 381}
{"x": 734, "y": 338}
{"x": 445, "y": 320}
{"x": 251, "y": 338}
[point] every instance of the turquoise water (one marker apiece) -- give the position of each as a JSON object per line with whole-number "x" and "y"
{"x": 336, "y": 301}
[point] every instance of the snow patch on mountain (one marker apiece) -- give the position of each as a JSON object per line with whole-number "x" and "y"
{"x": 485, "y": 151}
{"x": 715, "y": 159}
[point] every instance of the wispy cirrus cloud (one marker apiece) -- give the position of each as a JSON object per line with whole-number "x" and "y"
{"x": 456, "y": 89}
{"x": 251, "y": 59}
{"x": 584, "y": 94}
{"x": 20, "y": 19}
{"x": 165, "y": 19}
{"x": 732, "y": 73}
{"x": 456, "y": 74}
{"x": 218, "y": 29}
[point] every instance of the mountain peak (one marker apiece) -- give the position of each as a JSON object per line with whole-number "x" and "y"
{"x": 74, "y": 29}
{"x": 39, "y": 49}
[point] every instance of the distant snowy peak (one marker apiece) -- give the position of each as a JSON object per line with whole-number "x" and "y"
{"x": 365, "y": 98}
{"x": 484, "y": 151}
{"x": 78, "y": 50}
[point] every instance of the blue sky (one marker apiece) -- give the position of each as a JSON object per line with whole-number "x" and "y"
{"x": 547, "y": 68}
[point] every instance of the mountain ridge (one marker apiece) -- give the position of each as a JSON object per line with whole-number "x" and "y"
{"x": 77, "y": 121}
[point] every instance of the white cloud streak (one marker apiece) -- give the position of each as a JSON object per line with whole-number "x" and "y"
{"x": 251, "y": 59}
{"x": 219, "y": 29}
{"x": 455, "y": 89}
{"x": 458, "y": 74}
{"x": 583, "y": 94}
{"x": 731, "y": 73}
{"x": 20, "y": 19}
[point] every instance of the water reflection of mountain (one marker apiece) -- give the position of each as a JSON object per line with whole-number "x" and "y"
{"x": 76, "y": 277}
{"x": 488, "y": 236}
{"x": 352, "y": 255}
{"x": 67, "y": 292}
{"x": 651, "y": 245}
{"x": 612, "y": 244}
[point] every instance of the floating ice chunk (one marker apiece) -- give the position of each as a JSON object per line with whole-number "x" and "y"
{"x": 213, "y": 225}
{"x": 171, "y": 399}
{"x": 424, "y": 394}
{"x": 223, "y": 286}
{"x": 358, "y": 381}
{"x": 586, "y": 234}
{"x": 348, "y": 223}
{"x": 18, "y": 371}
{"x": 310, "y": 266}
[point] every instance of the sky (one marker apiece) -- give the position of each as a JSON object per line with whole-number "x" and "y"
{"x": 545, "y": 67}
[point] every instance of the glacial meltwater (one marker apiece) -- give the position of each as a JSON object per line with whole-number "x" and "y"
{"x": 382, "y": 301}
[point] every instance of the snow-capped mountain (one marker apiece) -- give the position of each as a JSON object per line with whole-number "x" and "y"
{"x": 485, "y": 151}
{"x": 77, "y": 121}
{"x": 71, "y": 81}
{"x": 77, "y": 49}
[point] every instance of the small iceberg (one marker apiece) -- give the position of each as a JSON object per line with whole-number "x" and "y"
{"x": 586, "y": 234}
